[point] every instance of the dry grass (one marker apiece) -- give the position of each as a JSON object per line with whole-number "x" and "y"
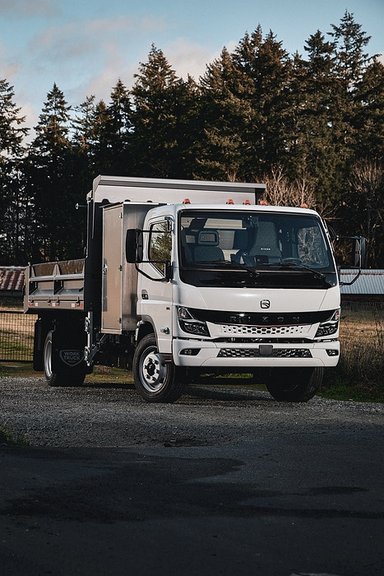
{"x": 361, "y": 363}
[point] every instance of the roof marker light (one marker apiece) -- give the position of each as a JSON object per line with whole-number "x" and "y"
{"x": 229, "y": 201}
{"x": 186, "y": 201}
{"x": 247, "y": 202}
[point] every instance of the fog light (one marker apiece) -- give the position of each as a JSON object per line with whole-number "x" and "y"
{"x": 190, "y": 351}
{"x": 332, "y": 352}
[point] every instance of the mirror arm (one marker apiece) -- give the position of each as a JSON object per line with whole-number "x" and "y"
{"x": 352, "y": 281}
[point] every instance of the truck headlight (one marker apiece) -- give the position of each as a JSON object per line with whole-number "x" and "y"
{"x": 330, "y": 326}
{"x": 189, "y": 324}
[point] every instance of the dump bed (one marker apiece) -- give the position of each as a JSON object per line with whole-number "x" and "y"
{"x": 55, "y": 285}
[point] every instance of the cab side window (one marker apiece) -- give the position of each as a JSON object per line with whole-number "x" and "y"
{"x": 160, "y": 246}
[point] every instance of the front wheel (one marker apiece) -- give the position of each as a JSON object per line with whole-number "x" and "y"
{"x": 65, "y": 377}
{"x": 294, "y": 384}
{"x": 155, "y": 380}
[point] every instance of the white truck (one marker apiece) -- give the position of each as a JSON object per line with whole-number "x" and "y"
{"x": 187, "y": 277}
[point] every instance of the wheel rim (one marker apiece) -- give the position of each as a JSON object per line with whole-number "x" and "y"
{"x": 152, "y": 371}
{"x": 48, "y": 356}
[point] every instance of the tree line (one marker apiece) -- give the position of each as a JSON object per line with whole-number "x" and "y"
{"x": 311, "y": 126}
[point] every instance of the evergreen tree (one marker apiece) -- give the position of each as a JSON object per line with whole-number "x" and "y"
{"x": 12, "y": 212}
{"x": 158, "y": 97}
{"x": 102, "y": 133}
{"x": 351, "y": 62}
{"x": 350, "y": 42}
{"x": 83, "y": 126}
{"x": 120, "y": 129}
{"x": 83, "y": 142}
{"x": 101, "y": 153}
{"x": 52, "y": 184}
{"x": 267, "y": 67}
{"x": 188, "y": 128}
{"x": 366, "y": 183}
{"x": 369, "y": 119}
{"x": 225, "y": 116}
{"x": 314, "y": 151}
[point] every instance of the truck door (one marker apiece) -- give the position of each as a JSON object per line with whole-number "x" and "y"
{"x": 155, "y": 290}
{"x": 112, "y": 267}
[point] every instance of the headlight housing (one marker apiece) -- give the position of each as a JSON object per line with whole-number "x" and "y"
{"x": 330, "y": 326}
{"x": 189, "y": 324}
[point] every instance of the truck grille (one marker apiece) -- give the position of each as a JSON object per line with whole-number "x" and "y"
{"x": 235, "y": 330}
{"x": 254, "y": 353}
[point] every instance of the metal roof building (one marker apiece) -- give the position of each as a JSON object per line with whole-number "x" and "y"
{"x": 11, "y": 279}
{"x": 368, "y": 286}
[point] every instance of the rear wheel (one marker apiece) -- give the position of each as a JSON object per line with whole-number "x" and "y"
{"x": 294, "y": 384}
{"x": 155, "y": 380}
{"x": 60, "y": 377}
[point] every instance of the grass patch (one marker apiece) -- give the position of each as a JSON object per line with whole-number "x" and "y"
{"x": 17, "y": 369}
{"x": 342, "y": 391}
{"x": 359, "y": 374}
{"x": 6, "y": 437}
{"x": 107, "y": 375}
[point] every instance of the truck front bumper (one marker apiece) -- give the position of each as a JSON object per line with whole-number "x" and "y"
{"x": 205, "y": 353}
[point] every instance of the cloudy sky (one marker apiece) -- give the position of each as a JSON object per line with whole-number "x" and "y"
{"x": 86, "y": 45}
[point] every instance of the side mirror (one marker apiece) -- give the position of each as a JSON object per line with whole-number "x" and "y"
{"x": 134, "y": 246}
{"x": 360, "y": 252}
{"x": 351, "y": 251}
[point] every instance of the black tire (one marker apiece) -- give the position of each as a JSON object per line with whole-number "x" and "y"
{"x": 66, "y": 377}
{"x": 155, "y": 380}
{"x": 294, "y": 384}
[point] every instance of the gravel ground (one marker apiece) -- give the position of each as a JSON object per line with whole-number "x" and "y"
{"x": 113, "y": 414}
{"x": 225, "y": 481}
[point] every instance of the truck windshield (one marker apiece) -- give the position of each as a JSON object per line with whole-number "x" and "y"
{"x": 248, "y": 249}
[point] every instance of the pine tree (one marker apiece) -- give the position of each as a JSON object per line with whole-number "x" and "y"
{"x": 267, "y": 67}
{"x": 83, "y": 141}
{"x": 120, "y": 129}
{"x": 225, "y": 116}
{"x": 157, "y": 115}
{"x": 369, "y": 119}
{"x": 53, "y": 127}
{"x": 12, "y": 201}
{"x": 52, "y": 184}
{"x": 102, "y": 133}
{"x": 314, "y": 150}
{"x": 187, "y": 128}
{"x": 351, "y": 62}
{"x": 366, "y": 183}
{"x": 350, "y": 41}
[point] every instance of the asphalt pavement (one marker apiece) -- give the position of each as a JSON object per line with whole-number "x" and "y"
{"x": 224, "y": 482}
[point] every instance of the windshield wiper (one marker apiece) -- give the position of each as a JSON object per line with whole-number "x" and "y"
{"x": 297, "y": 265}
{"x": 225, "y": 265}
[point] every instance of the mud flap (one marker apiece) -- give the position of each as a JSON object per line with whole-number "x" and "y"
{"x": 67, "y": 350}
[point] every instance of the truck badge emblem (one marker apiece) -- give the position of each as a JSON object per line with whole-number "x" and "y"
{"x": 265, "y": 304}
{"x": 71, "y": 357}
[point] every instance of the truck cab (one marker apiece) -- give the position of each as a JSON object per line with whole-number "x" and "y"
{"x": 239, "y": 288}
